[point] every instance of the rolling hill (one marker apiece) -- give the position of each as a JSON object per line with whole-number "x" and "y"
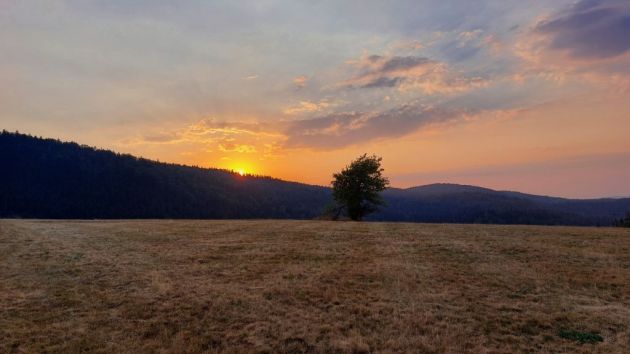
{"x": 47, "y": 178}
{"x": 469, "y": 204}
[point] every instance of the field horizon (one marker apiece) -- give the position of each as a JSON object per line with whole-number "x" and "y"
{"x": 288, "y": 286}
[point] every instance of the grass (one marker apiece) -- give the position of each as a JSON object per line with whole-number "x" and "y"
{"x": 582, "y": 337}
{"x": 311, "y": 287}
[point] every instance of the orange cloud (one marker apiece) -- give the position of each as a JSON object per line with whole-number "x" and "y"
{"x": 241, "y": 148}
{"x": 309, "y": 107}
{"x": 209, "y": 135}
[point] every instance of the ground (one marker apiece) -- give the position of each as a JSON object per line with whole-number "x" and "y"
{"x": 311, "y": 286}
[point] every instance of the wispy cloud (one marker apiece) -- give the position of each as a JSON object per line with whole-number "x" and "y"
{"x": 223, "y": 136}
{"x": 326, "y": 132}
{"x": 344, "y": 129}
{"x": 409, "y": 73}
{"x": 310, "y": 107}
{"x": 240, "y": 148}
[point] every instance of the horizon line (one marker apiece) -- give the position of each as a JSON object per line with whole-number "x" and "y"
{"x": 253, "y": 175}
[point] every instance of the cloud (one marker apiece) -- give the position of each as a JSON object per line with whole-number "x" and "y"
{"x": 300, "y": 81}
{"x": 590, "y": 29}
{"x": 241, "y": 148}
{"x": 583, "y": 48}
{"x": 382, "y": 71}
{"x": 409, "y": 73}
{"x": 344, "y": 129}
{"x": 208, "y": 128}
{"x": 226, "y": 137}
{"x": 309, "y": 107}
{"x": 329, "y": 131}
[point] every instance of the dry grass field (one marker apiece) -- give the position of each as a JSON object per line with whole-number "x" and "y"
{"x": 311, "y": 287}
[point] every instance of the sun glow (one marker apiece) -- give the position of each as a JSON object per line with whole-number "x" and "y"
{"x": 241, "y": 169}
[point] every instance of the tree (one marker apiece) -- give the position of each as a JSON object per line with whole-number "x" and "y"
{"x": 624, "y": 222}
{"x": 356, "y": 188}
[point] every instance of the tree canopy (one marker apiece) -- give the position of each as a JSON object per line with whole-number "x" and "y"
{"x": 356, "y": 189}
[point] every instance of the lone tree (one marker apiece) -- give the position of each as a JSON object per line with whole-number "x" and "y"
{"x": 624, "y": 222}
{"x": 356, "y": 188}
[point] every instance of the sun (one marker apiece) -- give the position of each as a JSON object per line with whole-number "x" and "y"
{"x": 241, "y": 168}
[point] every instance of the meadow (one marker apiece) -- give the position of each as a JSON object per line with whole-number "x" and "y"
{"x": 311, "y": 287}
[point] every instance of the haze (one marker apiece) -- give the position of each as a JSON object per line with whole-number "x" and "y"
{"x": 529, "y": 96}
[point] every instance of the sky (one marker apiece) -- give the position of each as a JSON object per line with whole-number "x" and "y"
{"x": 512, "y": 95}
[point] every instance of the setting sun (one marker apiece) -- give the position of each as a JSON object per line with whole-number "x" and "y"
{"x": 242, "y": 167}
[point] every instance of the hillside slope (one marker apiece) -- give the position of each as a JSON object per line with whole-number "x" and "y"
{"x": 46, "y": 178}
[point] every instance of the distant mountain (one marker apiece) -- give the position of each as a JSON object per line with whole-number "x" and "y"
{"x": 46, "y": 178}
{"x": 469, "y": 204}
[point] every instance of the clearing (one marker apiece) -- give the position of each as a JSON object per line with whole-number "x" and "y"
{"x": 310, "y": 287}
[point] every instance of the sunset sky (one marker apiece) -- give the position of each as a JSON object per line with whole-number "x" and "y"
{"x": 531, "y": 96}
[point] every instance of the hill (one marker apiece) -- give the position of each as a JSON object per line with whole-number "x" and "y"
{"x": 46, "y": 178}
{"x": 284, "y": 286}
{"x": 470, "y": 204}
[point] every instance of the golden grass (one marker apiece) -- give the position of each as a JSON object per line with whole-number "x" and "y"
{"x": 310, "y": 287}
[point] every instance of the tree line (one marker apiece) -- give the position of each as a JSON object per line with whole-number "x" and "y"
{"x": 47, "y": 178}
